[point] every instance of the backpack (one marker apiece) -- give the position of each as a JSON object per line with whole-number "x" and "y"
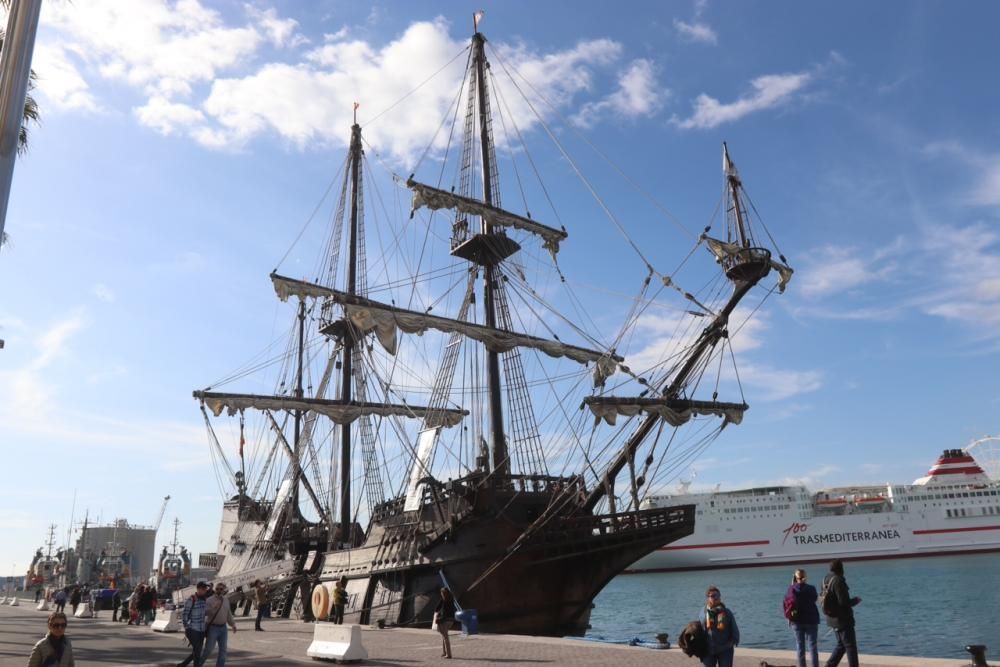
{"x": 693, "y": 641}
{"x": 790, "y": 605}
{"x": 828, "y": 600}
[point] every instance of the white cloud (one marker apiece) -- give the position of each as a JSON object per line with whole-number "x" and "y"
{"x": 30, "y": 405}
{"x": 280, "y": 32}
{"x": 294, "y": 101}
{"x": 696, "y": 32}
{"x": 968, "y": 285}
{"x": 837, "y": 269}
{"x": 102, "y": 292}
{"x": 775, "y": 384}
{"x": 53, "y": 342}
{"x": 768, "y": 91}
{"x": 638, "y": 94}
{"x": 672, "y": 334}
{"x": 192, "y": 65}
{"x": 987, "y": 191}
{"x": 59, "y": 80}
{"x": 162, "y": 46}
{"x": 167, "y": 117}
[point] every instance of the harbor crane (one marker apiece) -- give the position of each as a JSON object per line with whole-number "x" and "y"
{"x": 159, "y": 519}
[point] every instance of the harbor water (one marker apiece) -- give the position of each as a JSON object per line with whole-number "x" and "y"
{"x": 929, "y": 607}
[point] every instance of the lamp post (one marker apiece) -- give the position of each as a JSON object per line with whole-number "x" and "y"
{"x": 15, "y": 65}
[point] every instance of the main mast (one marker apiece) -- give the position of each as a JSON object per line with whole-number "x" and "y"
{"x": 347, "y": 379}
{"x": 501, "y": 459}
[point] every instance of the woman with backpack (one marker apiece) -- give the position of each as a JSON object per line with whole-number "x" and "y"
{"x": 803, "y": 617}
{"x": 721, "y": 631}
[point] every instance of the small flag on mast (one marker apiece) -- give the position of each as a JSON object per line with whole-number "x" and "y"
{"x": 477, "y": 17}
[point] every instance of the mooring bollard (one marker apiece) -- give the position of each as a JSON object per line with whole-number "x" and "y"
{"x": 978, "y": 653}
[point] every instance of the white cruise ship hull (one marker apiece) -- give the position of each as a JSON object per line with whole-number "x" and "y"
{"x": 945, "y": 513}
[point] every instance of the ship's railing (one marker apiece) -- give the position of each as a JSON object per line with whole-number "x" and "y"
{"x": 667, "y": 518}
{"x": 209, "y": 560}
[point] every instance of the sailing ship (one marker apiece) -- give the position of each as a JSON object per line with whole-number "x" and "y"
{"x": 498, "y": 462}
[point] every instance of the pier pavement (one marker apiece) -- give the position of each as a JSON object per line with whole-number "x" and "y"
{"x": 98, "y": 642}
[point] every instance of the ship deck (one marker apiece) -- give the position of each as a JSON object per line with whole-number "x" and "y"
{"x": 284, "y": 642}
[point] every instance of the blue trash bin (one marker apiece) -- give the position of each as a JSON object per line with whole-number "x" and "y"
{"x": 469, "y": 618}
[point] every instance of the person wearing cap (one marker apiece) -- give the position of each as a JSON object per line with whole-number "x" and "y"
{"x": 218, "y": 615}
{"x": 193, "y": 618}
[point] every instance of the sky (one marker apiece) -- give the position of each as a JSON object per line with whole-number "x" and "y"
{"x": 184, "y": 144}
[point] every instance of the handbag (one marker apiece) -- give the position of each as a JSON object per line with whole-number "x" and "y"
{"x": 434, "y": 624}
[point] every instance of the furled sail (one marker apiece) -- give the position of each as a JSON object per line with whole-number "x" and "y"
{"x": 339, "y": 411}
{"x": 674, "y": 411}
{"x": 722, "y": 249}
{"x": 384, "y": 319}
{"x": 433, "y": 198}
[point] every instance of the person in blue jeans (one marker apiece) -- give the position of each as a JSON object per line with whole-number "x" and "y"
{"x": 218, "y": 615}
{"x": 193, "y": 618}
{"x": 842, "y": 619}
{"x": 721, "y": 631}
{"x": 806, "y": 618}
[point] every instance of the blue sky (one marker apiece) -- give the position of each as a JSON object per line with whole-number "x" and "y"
{"x": 183, "y": 145}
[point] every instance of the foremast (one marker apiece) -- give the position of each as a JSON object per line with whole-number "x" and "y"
{"x": 745, "y": 264}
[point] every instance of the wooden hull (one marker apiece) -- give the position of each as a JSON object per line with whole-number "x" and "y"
{"x": 524, "y": 570}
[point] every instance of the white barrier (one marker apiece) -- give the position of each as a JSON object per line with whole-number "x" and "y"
{"x": 83, "y": 611}
{"x": 167, "y": 621}
{"x": 43, "y": 605}
{"x": 14, "y": 602}
{"x": 337, "y": 642}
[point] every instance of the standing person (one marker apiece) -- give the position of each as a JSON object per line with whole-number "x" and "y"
{"x": 54, "y": 650}
{"x": 133, "y": 606}
{"x": 193, "y": 619}
{"x": 339, "y": 600}
{"x": 74, "y": 599}
{"x": 445, "y": 615}
{"x": 806, "y": 618}
{"x": 145, "y": 604}
{"x": 260, "y": 592}
{"x": 838, "y": 607}
{"x": 218, "y": 615}
{"x": 116, "y": 604}
{"x": 721, "y": 631}
{"x": 60, "y": 600}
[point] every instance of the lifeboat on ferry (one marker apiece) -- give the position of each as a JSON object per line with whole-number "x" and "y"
{"x": 831, "y": 503}
{"x": 868, "y": 502}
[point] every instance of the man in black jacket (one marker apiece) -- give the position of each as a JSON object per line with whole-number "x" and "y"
{"x": 839, "y": 601}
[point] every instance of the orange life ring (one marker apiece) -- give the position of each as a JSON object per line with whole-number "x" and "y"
{"x": 321, "y": 601}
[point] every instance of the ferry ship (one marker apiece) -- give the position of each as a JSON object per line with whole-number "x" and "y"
{"x": 954, "y": 509}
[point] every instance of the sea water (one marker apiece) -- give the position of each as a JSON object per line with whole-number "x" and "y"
{"x": 929, "y": 607}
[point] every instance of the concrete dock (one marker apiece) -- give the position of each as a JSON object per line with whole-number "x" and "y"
{"x": 100, "y": 642}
